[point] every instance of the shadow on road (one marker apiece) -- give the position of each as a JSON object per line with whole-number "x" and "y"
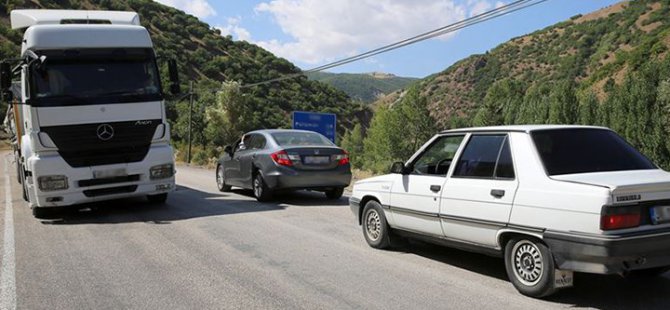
{"x": 615, "y": 292}
{"x": 590, "y": 290}
{"x": 186, "y": 203}
{"x": 477, "y": 263}
{"x": 300, "y": 198}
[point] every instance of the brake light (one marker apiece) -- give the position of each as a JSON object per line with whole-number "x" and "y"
{"x": 342, "y": 159}
{"x": 281, "y": 158}
{"x": 619, "y": 221}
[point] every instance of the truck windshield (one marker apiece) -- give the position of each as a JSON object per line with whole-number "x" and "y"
{"x": 568, "y": 151}
{"x": 95, "y": 76}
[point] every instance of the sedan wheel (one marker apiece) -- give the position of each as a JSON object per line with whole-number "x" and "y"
{"x": 530, "y": 267}
{"x": 376, "y": 230}
{"x": 261, "y": 191}
{"x": 221, "y": 180}
{"x": 527, "y": 262}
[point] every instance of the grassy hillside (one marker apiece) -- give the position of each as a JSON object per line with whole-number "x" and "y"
{"x": 366, "y": 87}
{"x": 207, "y": 58}
{"x": 609, "y": 68}
{"x": 594, "y": 51}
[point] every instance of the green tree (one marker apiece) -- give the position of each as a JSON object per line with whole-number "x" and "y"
{"x": 501, "y": 104}
{"x": 383, "y": 139}
{"x": 562, "y": 104}
{"x": 352, "y": 142}
{"x": 588, "y": 107}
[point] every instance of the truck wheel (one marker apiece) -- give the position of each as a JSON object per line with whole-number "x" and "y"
{"x": 261, "y": 190}
{"x": 221, "y": 180}
{"x": 377, "y": 232}
{"x": 43, "y": 213}
{"x": 18, "y": 172}
{"x": 530, "y": 267}
{"x": 335, "y": 193}
{"x": 157, "y": 199}
{"x": 22, "y": 175}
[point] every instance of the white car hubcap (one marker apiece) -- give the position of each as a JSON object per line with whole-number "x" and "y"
{"x": 527, "y": 260}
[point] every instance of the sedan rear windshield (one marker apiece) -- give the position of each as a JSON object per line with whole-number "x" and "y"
{"x": 568, "y": 151}
{"x": 300, "y": 138}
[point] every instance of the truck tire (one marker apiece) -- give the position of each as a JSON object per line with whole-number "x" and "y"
{"x": 157, "y": 199}
{"x": 43, "y": 213}
{"x": 377, "y": 232}
{"x": 530, "y": 267}
{"x": 18, "y": 171}
{"x": 22, "y": 175}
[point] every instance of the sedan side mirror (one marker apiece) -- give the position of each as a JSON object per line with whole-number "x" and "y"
{"x": 399, "y": 168}
{"x": 228, "y": 150}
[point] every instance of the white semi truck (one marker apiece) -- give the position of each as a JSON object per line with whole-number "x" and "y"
{"x": 86, "y": 107}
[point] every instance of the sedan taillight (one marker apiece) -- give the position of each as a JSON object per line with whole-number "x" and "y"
{"x": 342, "y": 159}
{"x": 619, "y": 217}
{"x": 282, "y": 158}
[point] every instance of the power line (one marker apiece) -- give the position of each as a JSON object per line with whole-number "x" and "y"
{"x": 480, "y": 18}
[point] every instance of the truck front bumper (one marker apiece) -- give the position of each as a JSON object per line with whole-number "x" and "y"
{"x": 85, "y": 184}
{"x": 609, "y": 254}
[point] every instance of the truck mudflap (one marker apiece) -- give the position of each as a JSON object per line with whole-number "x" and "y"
{"x": 609, "y": 254}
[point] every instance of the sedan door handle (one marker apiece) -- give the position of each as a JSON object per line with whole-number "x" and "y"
{"x": 497, "y": 193}
{"x": 435, "y": 188}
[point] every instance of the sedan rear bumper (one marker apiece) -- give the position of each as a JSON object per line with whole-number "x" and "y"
{"x": 609, "y": 255}
{"x": 287, "y": 178}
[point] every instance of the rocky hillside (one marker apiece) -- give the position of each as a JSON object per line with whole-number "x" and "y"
{"x": 366, "y": 87}
{"x": 595, "y": 51}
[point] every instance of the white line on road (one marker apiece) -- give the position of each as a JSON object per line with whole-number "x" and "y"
{"x": 7, "y": 277}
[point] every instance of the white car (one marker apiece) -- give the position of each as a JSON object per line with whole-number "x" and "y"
{"x": 552, "y": 200}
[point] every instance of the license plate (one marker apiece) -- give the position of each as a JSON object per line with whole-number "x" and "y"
{"x": 660, "y": 215}
{"x": 317, "y": 160}
{"x": 563, "y": 278}
{"x": 104, "y": 174}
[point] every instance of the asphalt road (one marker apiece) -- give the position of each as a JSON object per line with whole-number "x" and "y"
{"x": 206, "y": 249}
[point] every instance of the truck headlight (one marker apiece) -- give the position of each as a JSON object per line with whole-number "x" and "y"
{"x": 51, "y": 183}
{"x": 161, "y": 171}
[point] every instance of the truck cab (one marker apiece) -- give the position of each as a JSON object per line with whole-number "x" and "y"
{"x": 87, "y": 109}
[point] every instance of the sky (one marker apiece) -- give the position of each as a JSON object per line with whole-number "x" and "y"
{"x": 310, "y": 33}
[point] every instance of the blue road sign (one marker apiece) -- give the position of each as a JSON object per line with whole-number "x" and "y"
{"x": 323, "y": 123}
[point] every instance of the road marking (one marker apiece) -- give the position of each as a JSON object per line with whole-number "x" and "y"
{"x": 7, "y": 275}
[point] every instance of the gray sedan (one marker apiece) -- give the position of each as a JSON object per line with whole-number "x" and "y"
{"x": 280, "y": 159}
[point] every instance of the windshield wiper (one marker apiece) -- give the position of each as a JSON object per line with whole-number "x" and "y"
{"x": 65, "y": 96}
{"x": 125, "y": 93}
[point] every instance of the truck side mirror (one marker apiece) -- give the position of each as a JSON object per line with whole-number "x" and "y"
{"x": 5, "y": 76}
{"x": 173, "y": 71}
{"x": 399, "y": 168}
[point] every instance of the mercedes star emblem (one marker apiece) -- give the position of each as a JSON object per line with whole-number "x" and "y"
{"x": 105, "y": 132}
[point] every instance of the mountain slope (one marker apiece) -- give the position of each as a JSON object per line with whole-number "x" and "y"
{"x": 593, "y": 51}
{"x": 207, "y": 58}
{"x": 366, "y": 87}
{"x": 608, "y": 68}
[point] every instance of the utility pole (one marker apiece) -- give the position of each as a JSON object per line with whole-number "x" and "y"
{"x": 190, "y": 116}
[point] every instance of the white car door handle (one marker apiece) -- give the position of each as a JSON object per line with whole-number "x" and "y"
{"x": 435, "y": 188}
{"x": 497, "y": 193}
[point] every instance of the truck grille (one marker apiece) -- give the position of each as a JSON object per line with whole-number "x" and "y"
{"x": 93, "y": 145}
{"x": 110, "y": 191}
